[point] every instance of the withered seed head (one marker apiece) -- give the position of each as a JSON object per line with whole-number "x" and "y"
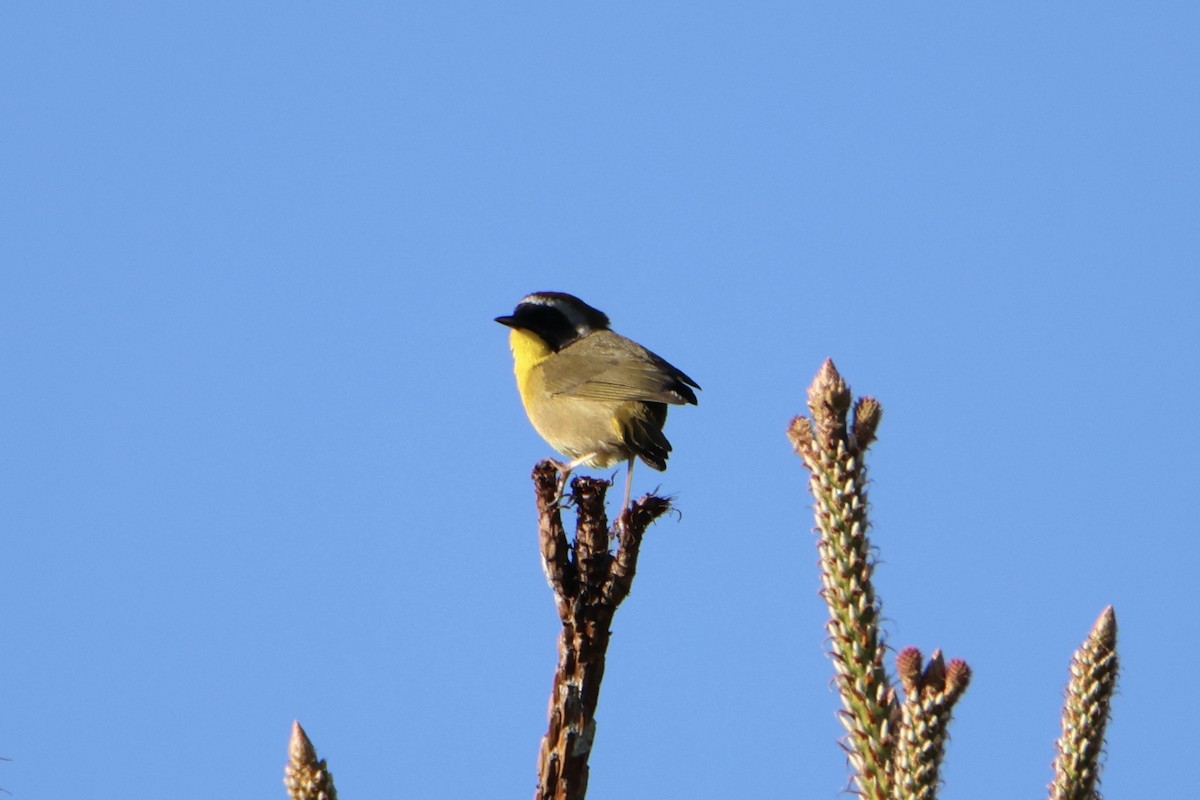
{"x": 958, "y": 677}
{"x": 908, "y": 666}
{"x": 867, "y": 416}
{"x": 829, "y": 401}
{"x": 934, "y": 679}
{"x": 800, "y": 434}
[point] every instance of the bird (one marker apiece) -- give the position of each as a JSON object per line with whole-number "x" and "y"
{"x": 595, "y": 396}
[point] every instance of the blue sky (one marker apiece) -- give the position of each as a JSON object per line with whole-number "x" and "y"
{"x": 263, "y": 457}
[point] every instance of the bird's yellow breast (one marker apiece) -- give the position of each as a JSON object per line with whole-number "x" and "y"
{"x": 528, "y": 351}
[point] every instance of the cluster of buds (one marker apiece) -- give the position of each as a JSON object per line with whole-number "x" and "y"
{"x": 930, "y": 692}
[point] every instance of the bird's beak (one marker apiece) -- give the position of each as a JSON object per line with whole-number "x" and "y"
{"x": 509, "y": 321}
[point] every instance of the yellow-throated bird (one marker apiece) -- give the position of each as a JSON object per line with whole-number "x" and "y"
{"x": 593, "y": 395}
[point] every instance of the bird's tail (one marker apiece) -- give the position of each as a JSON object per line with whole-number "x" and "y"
{"x": 644, "y": 436}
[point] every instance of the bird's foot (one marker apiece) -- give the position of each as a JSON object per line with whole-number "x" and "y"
{"x": 564, "y": 468}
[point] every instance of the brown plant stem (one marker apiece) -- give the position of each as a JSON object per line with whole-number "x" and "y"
{"x": 589, "y": 581}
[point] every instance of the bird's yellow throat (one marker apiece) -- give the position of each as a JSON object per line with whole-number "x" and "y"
{"x": 528, "y": 351}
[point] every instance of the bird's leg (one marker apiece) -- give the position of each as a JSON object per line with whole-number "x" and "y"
{"x": 564, "y": 473}
{"x": 628, "y": 490}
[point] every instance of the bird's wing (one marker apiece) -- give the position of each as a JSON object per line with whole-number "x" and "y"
{"x": 607, "y": 366}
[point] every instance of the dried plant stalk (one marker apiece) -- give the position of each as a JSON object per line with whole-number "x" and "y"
{"x": 833, "y": 452}
{"x": 305, "y": 777}
{"x": 589, "y": 582}
{"x": 1085, "y": 713}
